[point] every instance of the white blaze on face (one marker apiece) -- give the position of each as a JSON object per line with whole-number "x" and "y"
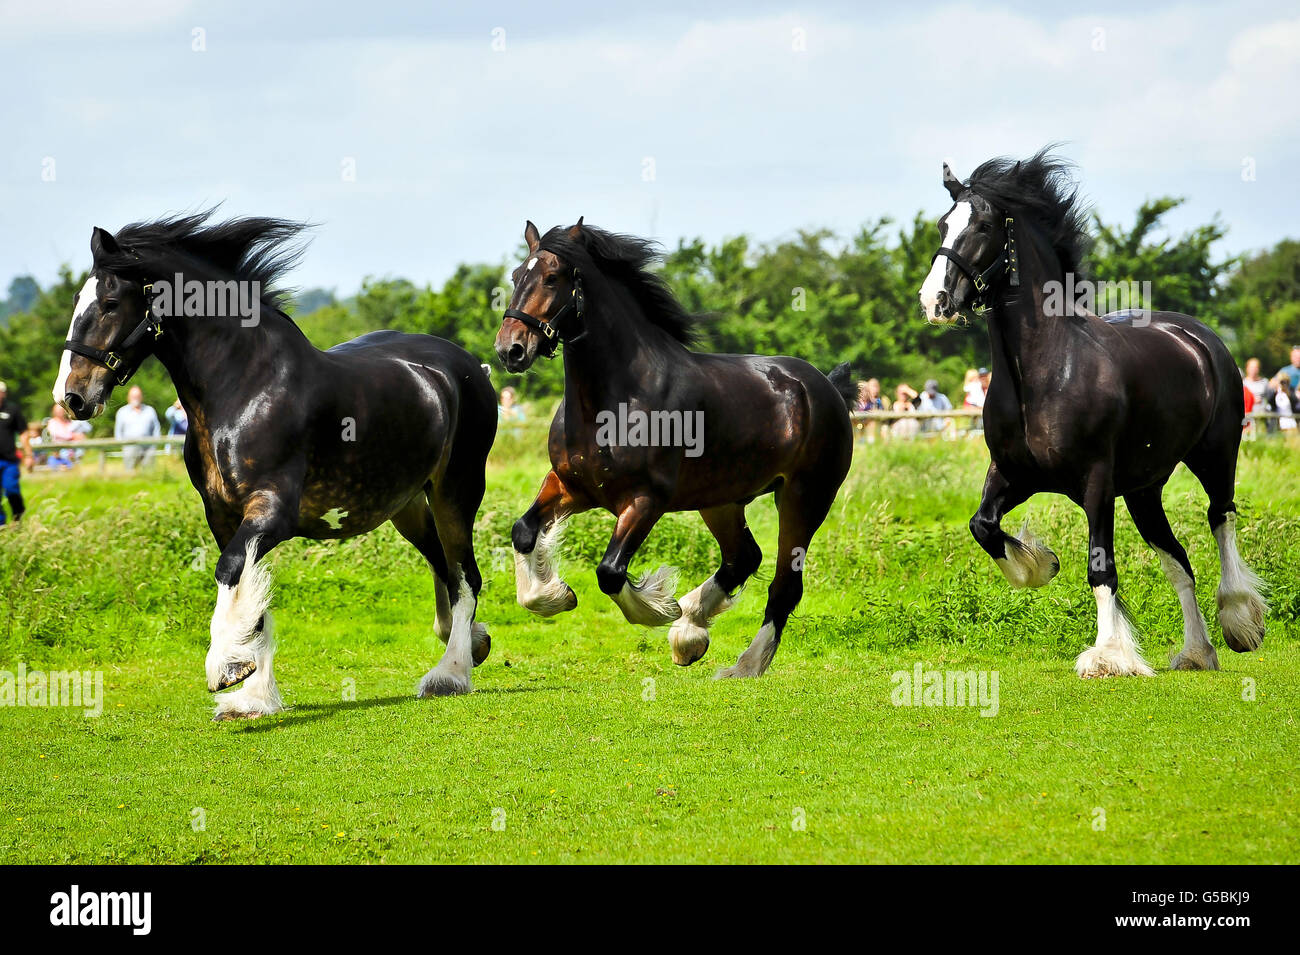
{"x": 85, "y": 298}
{"x": 958, "y": 220}
{"x": 531, "y": 263}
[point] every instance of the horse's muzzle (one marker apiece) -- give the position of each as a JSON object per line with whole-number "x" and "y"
{"x": 515, "y": 357}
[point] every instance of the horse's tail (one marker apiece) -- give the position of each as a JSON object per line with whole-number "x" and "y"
{"x": 841, "y": 377}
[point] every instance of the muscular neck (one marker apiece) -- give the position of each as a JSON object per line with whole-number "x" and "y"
{"x": 208, "y": 356}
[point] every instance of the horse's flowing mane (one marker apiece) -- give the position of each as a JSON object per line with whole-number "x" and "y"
{"x": 625, "y": 259}
{"x": 1041, "y": 188}
{"x": 254, "y": 249}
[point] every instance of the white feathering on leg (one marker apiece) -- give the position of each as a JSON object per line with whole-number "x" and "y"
{"x": 258, "y": 695}
{"x": 234, "y": 621}
{"x": 1242, "y": 610}
{"x": 689, "y": 636}
{"x": 649, "y": 602}
{"x": 1116, "y": 651}
{"x": 538, "y": 585}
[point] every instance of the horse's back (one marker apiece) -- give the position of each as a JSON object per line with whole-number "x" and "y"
{"x": 1178, "y": 339}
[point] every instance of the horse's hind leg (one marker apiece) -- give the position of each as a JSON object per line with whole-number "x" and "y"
{"x": 415, "y": 522}
{"x": 454, "y": 501}
{"x": 1148, "y": 514}
{"x": 689, "y": 636}
{"x": 1023, "y": 560}
{"x": 1242, "y": 610}
{"x": 801, "y": 509}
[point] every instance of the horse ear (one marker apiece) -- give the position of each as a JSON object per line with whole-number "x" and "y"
{"x": 576, "y": 230}
{"x": 951, "y": 183}
{"x": 102, "y": 244}
{"x": 532, "y": 236}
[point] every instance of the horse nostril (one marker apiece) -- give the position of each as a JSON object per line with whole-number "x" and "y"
{"x": 516, "y": 352}
{"x": 942, "y": 300}
{"x": 75, "y": 404}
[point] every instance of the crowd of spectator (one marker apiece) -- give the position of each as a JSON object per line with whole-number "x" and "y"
{"x": 21, "y": 442}
{"x": 135, "y": 419}
{"x": 930, "y": 398}
{"x": 1279, "y": 395}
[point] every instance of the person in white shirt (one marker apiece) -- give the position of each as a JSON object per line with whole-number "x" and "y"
{"x": 135, "y": 419}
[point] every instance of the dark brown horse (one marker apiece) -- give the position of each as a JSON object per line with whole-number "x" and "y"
{"x": 648, "y": 426}
{"x": 1092, "y": 408}
{"x": 284, "y": 440}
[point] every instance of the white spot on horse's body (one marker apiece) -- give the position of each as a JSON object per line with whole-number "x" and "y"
{"x": 85, "y": 298}
{"x": 334, "y": 518}
{"x": 958, "y": 220}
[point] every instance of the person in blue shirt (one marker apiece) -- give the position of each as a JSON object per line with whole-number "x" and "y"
{"x": 1292, "y": 370}
{"x": 932, "y": 399}
{"x": 135, "y": 419}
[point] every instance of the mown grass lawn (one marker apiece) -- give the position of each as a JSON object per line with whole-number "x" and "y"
{"x": 583, "y": 743}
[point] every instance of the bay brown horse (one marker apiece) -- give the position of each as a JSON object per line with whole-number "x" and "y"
{"x": 284, "y": 440}
{"x": 648, "y": 426}
{"x": 1091, "y": 407}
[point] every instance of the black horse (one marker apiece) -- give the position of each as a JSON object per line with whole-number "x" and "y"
{"x": 648, "y": 426}
{"x": 1092, "y": 408}
{"x": 284, "y": 440}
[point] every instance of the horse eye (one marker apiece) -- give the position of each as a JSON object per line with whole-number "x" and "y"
{"x": 110, "y": 304}
{"x": 549, "y": 281}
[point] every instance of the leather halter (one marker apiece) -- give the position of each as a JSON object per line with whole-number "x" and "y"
{"x": 564, "y": 326}
{"x": 117, "y": 358}
{"x": 1007, "y": 263}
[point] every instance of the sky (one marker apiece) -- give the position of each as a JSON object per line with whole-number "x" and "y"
{"x": 421, "y": 137}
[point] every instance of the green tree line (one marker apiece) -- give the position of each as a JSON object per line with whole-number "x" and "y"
{"x": 816, "y": 295}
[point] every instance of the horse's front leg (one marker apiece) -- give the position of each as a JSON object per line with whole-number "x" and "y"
{"x": 536, "y": 538}
{"x": 242, "y": 649}
{"x": 1116, "y": 651}
{"x": 649, "y": 602}
{"x": 1023, "y": 560}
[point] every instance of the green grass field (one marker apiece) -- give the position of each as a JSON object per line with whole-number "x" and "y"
{"x": 583, "y": 743}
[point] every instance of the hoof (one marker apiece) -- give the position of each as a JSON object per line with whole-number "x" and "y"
{"x": 548, "y": 603}
{"x": 649, "y": 602}
{"x": 1206, "y": 659}
{"x": 232, "y": 674}
{"x": 227, "y": 715}
{"x": 442, "y": 683}
{"x": 688, "y": 642}
{"x": 482, "y": 645}
{"x": 1028, "y": 563}
{"x": 735, "y": 672}
{"x": 1241, "y": 614}
{"x": 1097, "y": 662}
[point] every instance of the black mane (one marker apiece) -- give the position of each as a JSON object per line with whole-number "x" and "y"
{"x": 625, "y": 259}
{"x": 254, "y": 249}
{"x": 1040, "y": 188}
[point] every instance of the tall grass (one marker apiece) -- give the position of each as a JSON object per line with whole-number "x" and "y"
{"x": 107, "y": 567}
